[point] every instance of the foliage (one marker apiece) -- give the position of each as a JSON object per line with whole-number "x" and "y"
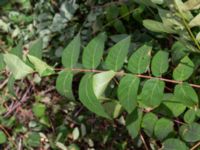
{"x": 134, "y": 64}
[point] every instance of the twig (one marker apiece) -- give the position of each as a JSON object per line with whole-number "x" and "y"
{"x": 47, "y": 91}
{"x": 8, "y": 135}
{"x": 4, "y": 83}
{"x": 23, "y": 99}
{"x": 195, "y": 146}
{"x": 121, "y": 73}
{"x": 143, "y": 141}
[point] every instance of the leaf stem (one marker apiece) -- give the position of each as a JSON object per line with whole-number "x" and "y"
{"x": 122, "y": 73}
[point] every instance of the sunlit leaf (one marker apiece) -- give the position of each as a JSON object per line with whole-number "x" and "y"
{"x": 195, "y": 21}
{"x": 88, "y": 98}
{"x": 40, "y": 66}
{"x": 156, "y": 26}
{"x": 100, "y": 82}
{"x": 18, "y": 68}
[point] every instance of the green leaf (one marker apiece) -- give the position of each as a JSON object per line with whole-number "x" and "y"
{"x": 33, "y": 139}
{"x": 39, "y": 109}
{"x": 100, "y": 82}
{"x": 113, "y": 108}
{"x": 160, "y": 63}
{"x": 195, "y": 21}
{"x": 156, "y": 26}
{"x": 184, "y": 69}
{"x": 11, "y": 85}
{"x": 93, "y": 52}
{"x": 152, "y": 93}
{"x": 40, "y": 66}
{"x": 73, "y": 147}
{"x": 117, "y": 54}
{"x": 185, "y": 94}
{"x": 133, "y": 123}
{"x": 119, "y": 26}
{"x": 127, "y": 92}
{"x": 191, "y": 5}
{"x": 169, "y": 19}
{"x": 18, "y": 68}
{"x": 140, "y": 60}
{"x": 2, "y": 64}
{"x": 170, "y": 107}
{"x": 148, "y": 122}
{"x": 3, "y": 137}
{"x": 190, "y": 133}
{"x": 112, "y": 12}
{"x": 158, "y": 1}
{"x": 179, "y": 50}
{"x": 75, "y": 133}
{"x": 163, "y": 128}
{"x": 174, "y": 144}
{"x": 88, "y": 98}
{"x": 18, "y": 51}
{"x": 64, "y": 84}
{"x": 35, "y": 48}
{"x": 190, "y": 116}
{"x": 71, "y": 53}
